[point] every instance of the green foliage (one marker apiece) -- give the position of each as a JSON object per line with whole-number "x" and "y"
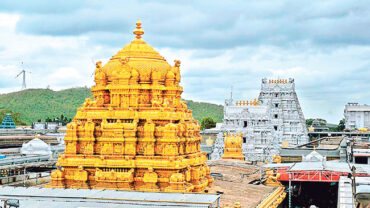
{"x": 207, "y": 123}
{"x": 338, "y": 128}
{"x": 39, "y": 104}
{"x": 201, "y": 109}
{"x": 62, "y": 119}
{"x": 341, "y": 125}
{"x": 15, "y": 117}
{"x": 309, "y": 122}
{"x": 45, "y": 104}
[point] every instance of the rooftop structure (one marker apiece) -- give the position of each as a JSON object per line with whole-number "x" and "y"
{"x": 362, "y": 195}
{"x": 19, "y": 139}
{"x": 234, "y": 179}
{"x": 345, "y": 196}
{"x": 275, "y": 117}
{"x": 46, "y": 125}
{"x": 8, "y": 122}
{"x": 61, "y": 198}
{"x": 136, "y": 134}
{"x": 357, "y": 116}
{"x": 36, "y": 147}
{"x": 359, "y": 150}
{"x": 316, "y": 126}
{"x": 315, "y": 168}
{"x": 332, "y": 148}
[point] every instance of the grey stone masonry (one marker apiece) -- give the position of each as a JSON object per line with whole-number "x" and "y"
{"x": 273, "y": 118}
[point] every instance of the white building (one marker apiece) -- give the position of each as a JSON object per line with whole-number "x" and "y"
{"x": 275, "y": 117}
{"x": 36, "y": 147}
{"x": 357, "y": 116}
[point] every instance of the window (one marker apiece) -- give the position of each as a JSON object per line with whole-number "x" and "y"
{"x": 361, "y": 160}
{"x": 276, "y": 105}
{"x": 275, "y": 127}
{"x": 245, "y": 124}
{"x": 244, "y": 139}
{"x": 276, "y": 116}
{"x": 276, "y": 95}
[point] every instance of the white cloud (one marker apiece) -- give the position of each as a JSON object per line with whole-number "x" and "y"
{"x": 8, "y": 21}
{"x": 324, "y": 46}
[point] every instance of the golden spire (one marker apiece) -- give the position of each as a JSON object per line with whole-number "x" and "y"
{"x": 138, "y": 31}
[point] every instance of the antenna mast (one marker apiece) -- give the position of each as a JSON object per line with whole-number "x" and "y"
{"x": 23, "y": 72}
{"x": 231, "y": 92}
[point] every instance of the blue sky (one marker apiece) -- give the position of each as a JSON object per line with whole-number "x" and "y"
{"x": 323, "y": 45}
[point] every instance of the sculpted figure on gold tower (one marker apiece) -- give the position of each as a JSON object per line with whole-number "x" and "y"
{"x": 136, "y": 133}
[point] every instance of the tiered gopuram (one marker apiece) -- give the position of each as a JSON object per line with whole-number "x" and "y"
{"x": 136, "y": 134}
{"x": 274, "y": 119}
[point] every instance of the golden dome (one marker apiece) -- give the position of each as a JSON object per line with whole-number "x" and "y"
{"x": 141, "y": 57}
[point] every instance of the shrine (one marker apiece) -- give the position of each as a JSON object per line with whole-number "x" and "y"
{"x": 136, "y": 133}
{"x": 233, "y": 146}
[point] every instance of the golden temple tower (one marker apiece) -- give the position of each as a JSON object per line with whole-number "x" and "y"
{"x": 233, "y": 146}
{"x": 136, "y": 134}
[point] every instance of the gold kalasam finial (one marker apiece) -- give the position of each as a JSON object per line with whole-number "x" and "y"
{"x": 138, "y": 31}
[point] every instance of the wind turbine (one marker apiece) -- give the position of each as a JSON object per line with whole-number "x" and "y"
{"x": 24, "y": 77}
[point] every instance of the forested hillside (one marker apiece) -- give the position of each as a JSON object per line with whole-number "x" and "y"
{"x": 34, "y": 104}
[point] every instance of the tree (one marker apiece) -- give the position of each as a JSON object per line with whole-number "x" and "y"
{"x": 207, "y": 123}
{"x": 341, "y": 125}
{"x": 62, "y": 119}
{"x": 309, "y": 121}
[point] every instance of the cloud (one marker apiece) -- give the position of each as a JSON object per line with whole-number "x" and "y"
{"x": 40, "y": 6}
{"x": 206, "y": 24}
{"x": 323, "y": 45}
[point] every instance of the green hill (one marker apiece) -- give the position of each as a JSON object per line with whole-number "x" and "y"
{"x": 34, "y": 104}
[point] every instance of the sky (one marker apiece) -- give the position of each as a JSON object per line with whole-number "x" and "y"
{"x": 323, "y": 45}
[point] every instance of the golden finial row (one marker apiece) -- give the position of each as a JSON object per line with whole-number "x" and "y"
{"x": 278, "y": 81}
{"x": 254, "y": 102}
{"x": 233, "y": 134}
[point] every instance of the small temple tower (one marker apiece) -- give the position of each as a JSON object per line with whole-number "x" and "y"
{"x": 233, "y": 146}
{"x": 136, "y": 134}
{"x": 8, "y": 122}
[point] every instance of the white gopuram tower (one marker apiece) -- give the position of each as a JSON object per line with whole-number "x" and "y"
{"x": 275, "y": 117}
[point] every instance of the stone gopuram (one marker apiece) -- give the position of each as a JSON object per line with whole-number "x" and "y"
{"x": 266, "y": 123}
{"x": 136, "y": 134}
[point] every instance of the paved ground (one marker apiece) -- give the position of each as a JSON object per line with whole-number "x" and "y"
{"x": 236, "y": 188}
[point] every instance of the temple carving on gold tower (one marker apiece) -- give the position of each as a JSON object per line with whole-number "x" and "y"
{"x": 136, "y": 134}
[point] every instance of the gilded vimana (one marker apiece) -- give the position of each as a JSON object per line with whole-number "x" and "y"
{"x": 136, "y": 134}
{"x": 252, "y": 115}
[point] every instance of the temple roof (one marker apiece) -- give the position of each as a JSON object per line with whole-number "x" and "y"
{"x": 139, "y": 56}
{"x": 36, "y": 147}
{"x": 313, "y": 157}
